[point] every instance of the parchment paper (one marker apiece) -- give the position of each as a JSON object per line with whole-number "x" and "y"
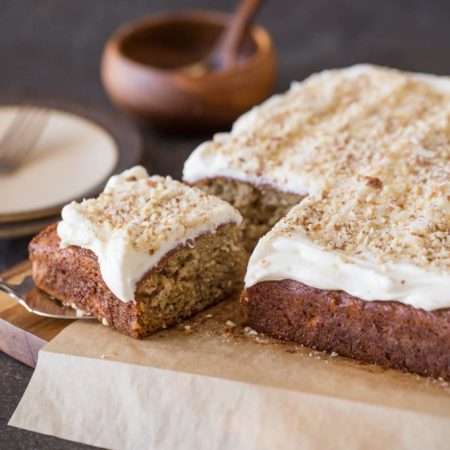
{"x": 208, "y": 384}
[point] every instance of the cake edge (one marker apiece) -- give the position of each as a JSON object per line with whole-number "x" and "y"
{"x": 385, "y": 333}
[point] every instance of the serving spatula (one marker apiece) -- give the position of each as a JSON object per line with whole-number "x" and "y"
{"x": 38, "y": 302}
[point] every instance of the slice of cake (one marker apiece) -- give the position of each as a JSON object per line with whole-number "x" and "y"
{"x": 303, "y": 142}
{"x": 363, "y": 270}
{"x": 145, "y": 254}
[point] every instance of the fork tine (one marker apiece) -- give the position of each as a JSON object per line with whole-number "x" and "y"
{"x": 25, "y": 117}
{"x": 12, "y": 131}
{"x": 22, "y": 136}
{"x": 35, "y": 128}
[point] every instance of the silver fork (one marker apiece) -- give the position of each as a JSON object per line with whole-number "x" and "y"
{"x": 38, "y": 302}
{"x": 21, "y": 136}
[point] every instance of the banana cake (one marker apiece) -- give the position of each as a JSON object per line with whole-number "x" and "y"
{"x": 362, "y": 268}
{"x": 358, "y": 162}
{"x": 362, "y": 272}
{"x": 145, "y": 254}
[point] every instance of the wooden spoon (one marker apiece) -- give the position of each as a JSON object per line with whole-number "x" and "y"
{"x": 223, "y": 55}
{"x": 153, "y": 90}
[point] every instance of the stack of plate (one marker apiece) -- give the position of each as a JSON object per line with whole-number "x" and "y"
{"x": 78, "y": 150}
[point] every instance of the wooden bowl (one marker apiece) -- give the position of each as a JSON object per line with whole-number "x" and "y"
{"x": 140, "y": 62}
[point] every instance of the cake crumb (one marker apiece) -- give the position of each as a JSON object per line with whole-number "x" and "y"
{"x": 250, "y": 331}
{"x": 189, "y": 329}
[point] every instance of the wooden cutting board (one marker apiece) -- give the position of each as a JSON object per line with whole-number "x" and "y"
{"x": 212, "y": 367}
{"x": 210, "y": 382}
{"x": 23, "y": 334}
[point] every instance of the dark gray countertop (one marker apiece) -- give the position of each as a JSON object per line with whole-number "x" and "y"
{"x": 53, "y": 47}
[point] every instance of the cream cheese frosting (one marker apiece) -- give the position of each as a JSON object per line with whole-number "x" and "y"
{"x": 306, "y": 139}
{"x": 381, "y": 235}
{"x": 136, "y": 221}
{"x": 296, "y": 257}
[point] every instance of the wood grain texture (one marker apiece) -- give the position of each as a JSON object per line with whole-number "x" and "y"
{"x": 23, "y": 334}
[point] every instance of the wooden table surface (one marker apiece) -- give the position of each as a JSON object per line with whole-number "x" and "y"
{"x": 53, "y": 48}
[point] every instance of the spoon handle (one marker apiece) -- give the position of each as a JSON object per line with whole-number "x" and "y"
{"x": 226, "y": 50}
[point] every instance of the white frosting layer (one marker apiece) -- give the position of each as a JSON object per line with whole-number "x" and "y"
{"x": 208, "y": 162}
{"x": 170, "y": 215}
{"x": 295, "y": 257}
{"x": 242, "y": 153}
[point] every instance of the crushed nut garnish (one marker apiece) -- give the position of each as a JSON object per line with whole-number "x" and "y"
{"x": 151, "y": 211}
{"x": 371, "y": 147}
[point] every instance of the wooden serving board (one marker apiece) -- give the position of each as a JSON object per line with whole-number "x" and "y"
{"x": 23, "y": 334}
{"x": 212, "y": 378}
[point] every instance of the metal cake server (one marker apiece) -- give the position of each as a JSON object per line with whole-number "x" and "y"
{"x": 38, "y": 302}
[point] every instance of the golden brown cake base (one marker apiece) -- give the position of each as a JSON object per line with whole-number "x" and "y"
{"x": 261, "y": 207}
{"x": 187, "y": 280}
{"x": 387, "y": 333}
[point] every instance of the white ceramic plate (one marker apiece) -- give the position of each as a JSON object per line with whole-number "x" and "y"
{"x": 72, "y": 157}
{"x": 25, "y": 228}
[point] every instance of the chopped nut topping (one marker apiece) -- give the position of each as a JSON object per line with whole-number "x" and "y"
{"x": 407, "y": 220}
{"x": 373, "y": 148}
{"x": 331, "y": 126}
{"x": 374, "y": 182}
{"x": 151, "y": 211}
